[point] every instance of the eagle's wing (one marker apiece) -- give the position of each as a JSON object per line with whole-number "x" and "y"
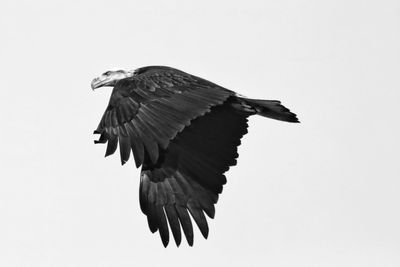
{"x": 190, "y": 174}
{"x": 146, "y": 111}
{"x": 182, "y": 170}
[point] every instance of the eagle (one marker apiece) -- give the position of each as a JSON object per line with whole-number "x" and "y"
{"x": 184, "y": 132}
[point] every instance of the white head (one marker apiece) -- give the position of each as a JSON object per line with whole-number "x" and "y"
{"x": 111, "y": 77}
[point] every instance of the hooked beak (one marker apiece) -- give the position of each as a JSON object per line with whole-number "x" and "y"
{"x": 98, "y": 82}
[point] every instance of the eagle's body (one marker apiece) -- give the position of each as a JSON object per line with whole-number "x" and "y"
{"x": 184, "y": 131}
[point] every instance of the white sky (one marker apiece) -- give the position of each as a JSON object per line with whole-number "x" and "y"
{"x": 321, "y": 193}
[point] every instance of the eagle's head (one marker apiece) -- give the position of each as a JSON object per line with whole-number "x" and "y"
{"x": 111, "y": 77}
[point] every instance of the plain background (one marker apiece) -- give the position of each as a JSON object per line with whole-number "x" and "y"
{"x": 321, "y": 193}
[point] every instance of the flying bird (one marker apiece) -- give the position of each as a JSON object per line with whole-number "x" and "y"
{"x": 184, "y": 131}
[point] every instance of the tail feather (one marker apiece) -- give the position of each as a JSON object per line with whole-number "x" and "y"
{"x": 270, "y": 109}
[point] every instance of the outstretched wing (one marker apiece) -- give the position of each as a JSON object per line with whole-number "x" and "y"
{"x": 147, "y": 110}
{"x": 190, "y": 174}
{"x": 183, "y": 171}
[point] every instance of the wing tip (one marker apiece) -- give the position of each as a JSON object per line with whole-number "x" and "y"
{"x": 165, "y": 242}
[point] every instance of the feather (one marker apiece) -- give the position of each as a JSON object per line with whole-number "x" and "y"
{"x": 143, "y": 192}
{"x": 126, "y": 111}
{"x": 102, "y": 140}
{"x": 124, "y": 148}
{"x": 163, "y": 226}
{"x": 136, "y": 145}
{"x": 111, "y": 145}
{"x": 132, "y": 104}
{"x": 107, "y": 119}
{"x": 149, "y": 143}
{"x": 173, "y": 223}
{"x": 152, "y": 218}
{"x": 186, "y": 223}
{"x": 122, "y": 131}
{"x": 158, "y": 114}
{"x": 161, "y": 194}
{"x": 151, "y": 124}
{"x": 208, "y": 208}
{"x": 114, "y": 118}
{"x": 168, "y": 108}
{"x": 199, "y": 218}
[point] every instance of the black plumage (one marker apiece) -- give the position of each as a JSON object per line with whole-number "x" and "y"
{"x": 184, "y": 131}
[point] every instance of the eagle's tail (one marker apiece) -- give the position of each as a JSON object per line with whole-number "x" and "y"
{"x": 267, "y": 108}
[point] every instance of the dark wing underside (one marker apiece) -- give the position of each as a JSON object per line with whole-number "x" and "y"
{"x": 189, "y": 176}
